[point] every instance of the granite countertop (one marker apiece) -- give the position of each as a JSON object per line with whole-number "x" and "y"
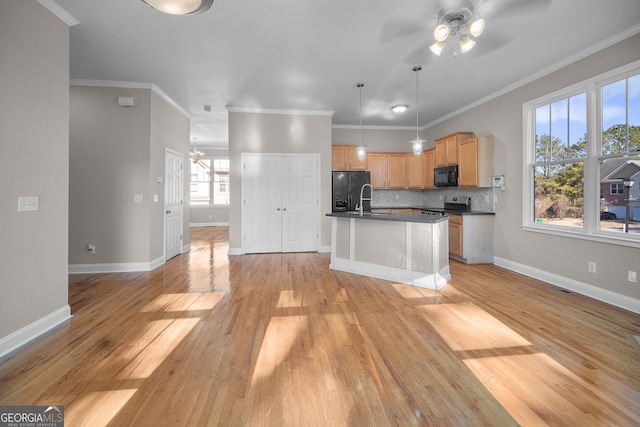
{"x": 389, "y": 215}
{"x": 441, "y": 209}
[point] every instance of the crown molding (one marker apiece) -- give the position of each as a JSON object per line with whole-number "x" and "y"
{"x": 62, "y": 14}
{"x": 132, "y": 85}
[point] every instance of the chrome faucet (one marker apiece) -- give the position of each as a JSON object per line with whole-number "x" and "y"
{"x": 362, "y": 198}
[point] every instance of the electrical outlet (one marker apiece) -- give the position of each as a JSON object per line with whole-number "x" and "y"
{"x": 397, "y": 197}
{"x": 91, "y": 248}
{"x": 591, "y": 267}
{"x": 631, "y": 276}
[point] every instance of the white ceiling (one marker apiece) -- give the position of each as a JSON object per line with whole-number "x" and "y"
{"x": 308, "y": 55}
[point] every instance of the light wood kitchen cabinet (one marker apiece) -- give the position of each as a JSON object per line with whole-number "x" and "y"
{"x": 377, "y": 165}
{"x": 397, "y": 170}
{"x": 429, "y": 162}
{"x": 340, "y": 157}
{"x": 354, "y": 163}
{"x": 447, "y": 148}
{"x": 415, "y": 170}
{"x": 345, "y": 157}
{"x": 388, "y": 170}
{"x": 455, "y": 235}
{"x": 475, "y": 162}
{"x": 471, "y": 238}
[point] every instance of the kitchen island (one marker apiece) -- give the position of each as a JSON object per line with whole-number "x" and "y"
{"x": 395, "y": 246}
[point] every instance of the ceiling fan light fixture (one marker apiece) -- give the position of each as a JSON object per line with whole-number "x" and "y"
{"x": 476, "y": 27}
{"x": 401, "y": 108}
{"x": 441, "y": 32}
{"x": 180, "y": 7}
{"x": 466, "y": 44}
{"x": 437, "y": 47}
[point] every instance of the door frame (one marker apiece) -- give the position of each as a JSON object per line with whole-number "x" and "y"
{"x": 243, "y": 156}
{"x": 168, "y": 150}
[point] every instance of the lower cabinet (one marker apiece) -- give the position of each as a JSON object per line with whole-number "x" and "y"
{"x": 471, "y": 238}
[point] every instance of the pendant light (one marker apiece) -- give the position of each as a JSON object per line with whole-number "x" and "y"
{"x": 361, "y": 150}
{"x": 417, "y": 143}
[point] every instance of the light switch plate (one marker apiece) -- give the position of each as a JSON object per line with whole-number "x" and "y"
{"x": 28, "y": 204}
{"x": 137, "y": 198}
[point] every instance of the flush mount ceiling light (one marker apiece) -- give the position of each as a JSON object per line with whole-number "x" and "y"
{"x": 399, "y": 108}
{"x": 180, "y": 7}
{"x": 460, "y": 25}
{"x": 361, "y": 150}
{"x": 417, "y": 143}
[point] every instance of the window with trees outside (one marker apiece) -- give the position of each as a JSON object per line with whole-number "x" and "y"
{"x": 582, "y": 159}
{"x": 209, "y": 182}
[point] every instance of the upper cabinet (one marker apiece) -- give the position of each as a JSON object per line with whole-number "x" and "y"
{"x": 345, "y": 157}
{"x": 429, "y": 162}
{"x": 415, "y": 170}
{"x": 388, "y": 170}
{"x": 475, "y": 162}
{"x": 447, "y": 148}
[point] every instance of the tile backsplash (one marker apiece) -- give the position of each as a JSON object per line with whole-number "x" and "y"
{"x": 482, "y": 199}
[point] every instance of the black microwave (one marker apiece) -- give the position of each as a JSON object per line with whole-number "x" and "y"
{"x": 445, "y": 176}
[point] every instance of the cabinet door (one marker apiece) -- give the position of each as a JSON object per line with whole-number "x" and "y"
{"x": 468, "y": 165}
{"x": 377, "y": 164}
{"x": 415, "y": 170}
{"x": 455, "y": 235}
{"x": 354, "y": 163}
{"x": 451, "y": 149}
{"x": 339, "y": 157}
{"x": 396, "y": 171}
{"x": 440, "y": 153}
{"x": 429, "y": 158}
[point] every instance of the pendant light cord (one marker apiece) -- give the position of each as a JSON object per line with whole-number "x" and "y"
{"x": 416, "y": 69}
{"x": 360, "y": 85}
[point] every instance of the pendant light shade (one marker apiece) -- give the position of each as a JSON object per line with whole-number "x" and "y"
{"x": 361, "y": 150}
{"x": 180, "y": 7}
{"x": 417, "y": 143}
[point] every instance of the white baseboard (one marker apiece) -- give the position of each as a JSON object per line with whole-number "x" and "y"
{"x": 186, "y": 248}
{"x": 591, "y": 291}
{"x": 33, "y": 330}
{"x": 118, "y": 267}
{"x": 235, "y": 251}
{"x": 325, "y": 249}
{"x": 208, "y": 224}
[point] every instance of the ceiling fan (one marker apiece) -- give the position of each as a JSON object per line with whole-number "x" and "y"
{"x": 449, "y": 27}
{"x": 195, "y": 155}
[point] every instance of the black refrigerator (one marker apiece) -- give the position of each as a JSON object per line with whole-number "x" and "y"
{"x": 346, "y": 190}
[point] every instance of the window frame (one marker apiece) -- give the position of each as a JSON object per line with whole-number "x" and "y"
{"x": 591, "y": 218}
{"x": 211, "y": 186}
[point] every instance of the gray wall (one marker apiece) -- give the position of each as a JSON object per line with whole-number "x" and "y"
{"x": 116, "y": 153}
{"x": 278, "y": 133}
{"x": 502, "y": 118}
{"x": 34, "y": 136}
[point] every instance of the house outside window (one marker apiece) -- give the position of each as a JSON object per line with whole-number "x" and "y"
{"x": 210, "y": 182}
{"x": 581, "y": 143}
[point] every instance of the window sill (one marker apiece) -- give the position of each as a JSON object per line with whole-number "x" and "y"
{"x": 583, "y": 235}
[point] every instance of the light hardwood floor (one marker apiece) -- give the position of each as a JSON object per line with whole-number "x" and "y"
{"x": 281, "y": 340}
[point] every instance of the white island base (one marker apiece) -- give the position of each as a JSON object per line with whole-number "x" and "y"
{"x": 415, "y": 253}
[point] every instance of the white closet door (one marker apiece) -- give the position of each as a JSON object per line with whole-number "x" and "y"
{"x": 299, "y": 204}
{"x": 261, "y": 210}
{"x": 280, "y": 203}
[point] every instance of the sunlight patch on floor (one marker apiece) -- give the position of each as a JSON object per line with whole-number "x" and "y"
{"x": 290, "y": 299}
{"x": 97, "y": 409}
{"x": 152, "y": 356}
{"x": 183, "y": 302}
{"x": 412, "y": 292}
{"x": 465, "y": 326}
{"x": 532, "y": 384}
{"x": 278, "y": 340}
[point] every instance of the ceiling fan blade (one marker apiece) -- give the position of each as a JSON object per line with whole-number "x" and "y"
{"x": 398, "y": 29}
{"x": 498, "y": 9}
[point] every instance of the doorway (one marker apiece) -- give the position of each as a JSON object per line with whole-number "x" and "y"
{"x": 280, "y": 203}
